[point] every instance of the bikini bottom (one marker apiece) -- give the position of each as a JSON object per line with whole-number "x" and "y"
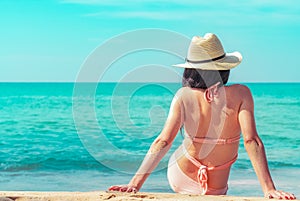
{"x": 181, "y": 183}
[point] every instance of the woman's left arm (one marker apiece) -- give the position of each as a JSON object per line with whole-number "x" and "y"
{"x": 158, "y": 149}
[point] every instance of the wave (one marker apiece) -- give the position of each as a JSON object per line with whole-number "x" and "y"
{"x": 52, "y": 164}
{"x": 245, "y": 164}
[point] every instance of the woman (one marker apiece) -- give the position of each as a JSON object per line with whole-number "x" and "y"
{"x": 213, "y": 116}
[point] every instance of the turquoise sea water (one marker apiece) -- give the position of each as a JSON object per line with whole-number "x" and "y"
{"x": 83, "y": 137}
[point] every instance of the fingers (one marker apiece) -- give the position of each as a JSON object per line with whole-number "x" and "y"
{"x": 131, "y": 190}
{"x": 289, "y": 196}
{"x": 123, "y": 188}
{"x": 114, "y": 188}
{"x": 281, "y": 195}
{"x": 286, "y": 195}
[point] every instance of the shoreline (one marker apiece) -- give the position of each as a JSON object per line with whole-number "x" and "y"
{"x": 113, "y": 196}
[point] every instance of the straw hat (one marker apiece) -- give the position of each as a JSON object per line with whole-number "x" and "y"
{"x": 207, "y": 53}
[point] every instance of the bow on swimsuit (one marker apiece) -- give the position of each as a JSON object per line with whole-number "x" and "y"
{"x": 202, "y": 172}
{"x": 202, "y": 177}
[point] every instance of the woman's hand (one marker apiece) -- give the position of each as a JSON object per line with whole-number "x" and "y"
{"x": 123, "y": 188}
{"x": 280, "y": 195}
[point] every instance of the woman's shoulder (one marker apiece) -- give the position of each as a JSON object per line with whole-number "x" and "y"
{"x": 183, "y": 91}
{"x": 240, "y": 88}
{"x": 233, "y": 90}
{"x": 239, "y": 91}
{"x": 184, "y": 94}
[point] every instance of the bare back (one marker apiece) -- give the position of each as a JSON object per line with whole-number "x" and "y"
{"x": 218, "y": 119}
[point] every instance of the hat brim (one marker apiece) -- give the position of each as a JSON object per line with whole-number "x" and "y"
{"x": 230, "y": 61}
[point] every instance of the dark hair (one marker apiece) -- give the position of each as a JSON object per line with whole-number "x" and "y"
{"x": 197, "y": 78}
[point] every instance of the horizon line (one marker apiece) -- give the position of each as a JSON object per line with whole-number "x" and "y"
{"x": 111, "y": 82}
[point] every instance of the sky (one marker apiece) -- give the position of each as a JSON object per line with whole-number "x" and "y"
{"x": 49, "y": 40}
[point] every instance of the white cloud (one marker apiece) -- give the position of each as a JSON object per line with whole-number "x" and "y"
{"x": 151, "y": 15}
{"x": 218, "y": 11}
{"x": 91, "y": 2}
{"x": 119, "y": 2}
{"x": 217, "y": 3}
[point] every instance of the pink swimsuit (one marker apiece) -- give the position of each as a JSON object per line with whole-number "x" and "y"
{"x": 181, "y": 183}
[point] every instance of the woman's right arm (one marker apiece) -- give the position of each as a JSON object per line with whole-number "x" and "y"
{"x": 158, "y": 149}
{"x": 255, "y": 148}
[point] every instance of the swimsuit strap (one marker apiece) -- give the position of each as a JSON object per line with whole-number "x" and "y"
{"x": 206, "y": 140}
{"x": 203, "y": 169}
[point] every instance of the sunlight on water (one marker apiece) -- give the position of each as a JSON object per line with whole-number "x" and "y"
{"x": 41, "y": 150}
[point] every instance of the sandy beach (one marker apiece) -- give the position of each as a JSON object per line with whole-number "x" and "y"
{"x": 112, "y": 196}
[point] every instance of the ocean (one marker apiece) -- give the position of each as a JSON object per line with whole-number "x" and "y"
{"x": 88, "y": 136}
